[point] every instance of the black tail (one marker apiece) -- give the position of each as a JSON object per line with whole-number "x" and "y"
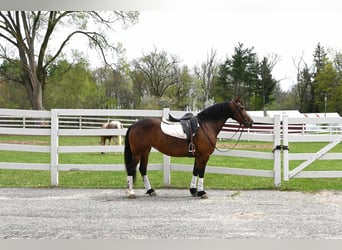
{"x": 131, "y": 170}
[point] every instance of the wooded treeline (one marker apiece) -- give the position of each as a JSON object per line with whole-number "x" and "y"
{"x": 34, "y": 76}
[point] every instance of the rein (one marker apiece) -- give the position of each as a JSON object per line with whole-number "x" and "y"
{"x": 236, "y": 143}
{"x": 229, "y": 149}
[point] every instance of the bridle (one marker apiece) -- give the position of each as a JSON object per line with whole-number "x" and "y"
{"x": 240, "y": 129}
{"x": 237, "y": 111}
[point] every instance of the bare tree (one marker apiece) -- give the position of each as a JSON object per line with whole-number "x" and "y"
{"x": 30, "y": 34}
{"x": 155, "y": 72}
{"x": 206, "y": 73}
{"x": 304, "y": 80}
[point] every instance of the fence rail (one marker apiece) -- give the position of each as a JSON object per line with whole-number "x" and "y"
{"x": 87, "y": 122}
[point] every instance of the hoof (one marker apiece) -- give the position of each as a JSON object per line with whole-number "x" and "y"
{"x": 131, "y": 194}
{"x": 151, "y": 192}
{"x": 202, "y": 194}
{"x": 193, "y": 192}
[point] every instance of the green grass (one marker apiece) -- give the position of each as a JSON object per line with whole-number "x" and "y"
{"x": 109, "y": 179}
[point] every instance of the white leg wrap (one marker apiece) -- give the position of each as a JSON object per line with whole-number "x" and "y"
{"x": 130, "y": 190}
{"x": 200, "y": 184}
{"x": 146, "y": 182}
{"x": 193, "y": 182}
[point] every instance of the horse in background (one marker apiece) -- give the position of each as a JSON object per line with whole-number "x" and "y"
{"x": 111, "y": 125}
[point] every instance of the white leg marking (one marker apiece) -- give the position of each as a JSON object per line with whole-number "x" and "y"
{"x": 200, "y": 184}
{"x": 146, "y": 182}
{"x": 130, "y": 190}
{"x": 193, "y": 182}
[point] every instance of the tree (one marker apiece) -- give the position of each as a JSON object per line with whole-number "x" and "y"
{"x": 11, "y": 95}
{"x": 319, "y": 58}
{"x": 329, "y": 84}
{"x": 304, "y": 83}
{"x": 70, "y": 86}
{"x": 154, "y": 73}
{"x": 239, "y": 75}
{"x": 30, "y": 33}
{"x": 179, "y": 92}
{"x": 284, "y": 99}
{"x": 206, "y": 74}
{"x": 244, "y": 75}
{"x": 267, "y": 83}
{"x": 319, "y": 63}
{"x": 114, "y": 86}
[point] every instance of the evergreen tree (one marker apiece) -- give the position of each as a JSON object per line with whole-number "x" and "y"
{"x": 304, "y": 83}
{"x": 328, "y": 85}
{"x": 244, "y": 75}
{"x": 318, "y": 65}
{"x": 267, "y": 82}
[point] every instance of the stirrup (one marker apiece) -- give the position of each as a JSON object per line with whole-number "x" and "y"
{"x": 191, "y": 150}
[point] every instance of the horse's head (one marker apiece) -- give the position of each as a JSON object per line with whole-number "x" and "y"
{"x": 239, "y": 113}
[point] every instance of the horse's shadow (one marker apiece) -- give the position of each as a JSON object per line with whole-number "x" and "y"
{"x": 112, "y": 197}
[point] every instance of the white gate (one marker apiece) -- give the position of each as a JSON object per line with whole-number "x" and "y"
{"x": 314, "y": 130}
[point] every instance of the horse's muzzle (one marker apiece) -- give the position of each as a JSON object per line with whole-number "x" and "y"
{"x": 248, "y": 123}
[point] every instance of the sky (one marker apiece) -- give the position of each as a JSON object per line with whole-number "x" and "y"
{"x": 290, "y": 29}
{"x": 290, "y": 33}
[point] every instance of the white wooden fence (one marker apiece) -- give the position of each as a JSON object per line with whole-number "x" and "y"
{"x": 55, "y": 124}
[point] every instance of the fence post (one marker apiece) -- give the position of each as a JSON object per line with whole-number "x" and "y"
{"x": 166, "y": 158}
{"x": 54, "y": 148}
{"x": 277, "y": 151}
{"x": 286, "y": 147}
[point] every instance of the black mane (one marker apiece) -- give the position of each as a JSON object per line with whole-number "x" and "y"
{"x": 215, "y": 112}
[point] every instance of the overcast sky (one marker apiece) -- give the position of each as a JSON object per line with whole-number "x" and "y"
{"x": 190, "y": 34}
{"x": 191, "y": 28}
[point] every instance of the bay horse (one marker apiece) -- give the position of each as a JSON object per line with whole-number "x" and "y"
{"x": 146, "y": 133}
{"x": 111, "y": 125}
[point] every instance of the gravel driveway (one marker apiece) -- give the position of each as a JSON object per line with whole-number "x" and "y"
{"x": 107, "y": 214}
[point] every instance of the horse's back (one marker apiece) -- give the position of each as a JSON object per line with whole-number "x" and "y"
{"x": 146, "y": 124}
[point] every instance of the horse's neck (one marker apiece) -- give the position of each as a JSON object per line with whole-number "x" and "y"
{"x": 216, "y": 127}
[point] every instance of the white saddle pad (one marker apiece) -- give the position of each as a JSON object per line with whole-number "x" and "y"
{"x": 172, "y": 129}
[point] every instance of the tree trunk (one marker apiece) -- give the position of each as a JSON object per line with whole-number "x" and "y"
{"x": 37, "y": 102}
{"x": 34, "y": 91}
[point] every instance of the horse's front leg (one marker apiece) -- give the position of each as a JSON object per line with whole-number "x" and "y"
{"x": 200, "y": 185}
{"x": 193, "y": 184}
{"x": 198, "y": 178}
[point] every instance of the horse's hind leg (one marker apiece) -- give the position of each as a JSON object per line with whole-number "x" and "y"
{"x": 143, "y": 171}
{"x": 130, "y": 177}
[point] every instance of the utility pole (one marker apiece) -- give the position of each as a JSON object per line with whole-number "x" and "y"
{"x": 325, "y": 104}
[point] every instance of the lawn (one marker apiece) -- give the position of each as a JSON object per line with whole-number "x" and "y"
{"x": 109, "y": 179}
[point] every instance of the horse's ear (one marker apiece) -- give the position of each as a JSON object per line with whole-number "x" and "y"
{"x": 237, "y": 98}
